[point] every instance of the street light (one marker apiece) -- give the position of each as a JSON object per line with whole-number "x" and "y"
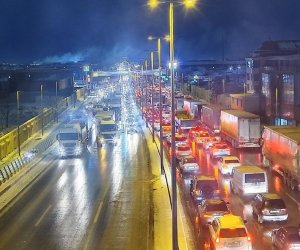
{"x": 188, "y": 4}
{"x": 160, "y": 100}
{"x": 152, "y": 90}
{"x": 42, "y": 109}
{"x": 18, "y": 117}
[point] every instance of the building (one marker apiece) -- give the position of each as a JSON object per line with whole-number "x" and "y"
{"x": 273, "y": 72}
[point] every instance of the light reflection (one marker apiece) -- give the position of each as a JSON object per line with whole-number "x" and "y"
{"x": 226, "y": 186}
{"x": 247, "y": 211}
{"x": 72, "y": 203}
{"x": 277, "y": 184}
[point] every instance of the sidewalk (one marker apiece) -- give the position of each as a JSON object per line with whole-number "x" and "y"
{"x": 162, "y": 208}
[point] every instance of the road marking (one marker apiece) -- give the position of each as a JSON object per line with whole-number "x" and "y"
{"x": 98, "y": 212}
{"x": 43, "y": 215}
{"x": 292, "y": 198}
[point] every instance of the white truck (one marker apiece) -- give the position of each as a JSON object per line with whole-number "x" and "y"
{"x": 72, "y": 140}
{"x": 281, "y": 152}
{"x": 240, "y": 128}
{"x": 210, "y": 117}
{"x": 108, "y": 131}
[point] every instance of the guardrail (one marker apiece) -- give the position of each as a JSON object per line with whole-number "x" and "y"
{"x": 11, "y": 168}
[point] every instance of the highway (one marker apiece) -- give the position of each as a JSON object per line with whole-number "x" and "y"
{"x": 103, "y": 200}
{"x": 260, "y": 234}
{"x": 99, "y": 201}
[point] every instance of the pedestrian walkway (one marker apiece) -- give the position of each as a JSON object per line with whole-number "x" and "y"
{"x": 162, "y": 208}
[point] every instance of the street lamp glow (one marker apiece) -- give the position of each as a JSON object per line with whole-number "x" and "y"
{"x": 190, "y": 4}
{"x": 150, "y": 38}
{"x": 153, "y": 4}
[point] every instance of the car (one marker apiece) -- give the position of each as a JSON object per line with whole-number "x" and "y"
{"x": 201, "y": 137}
{"x": 182, "y": 149}
{"x": 229, "y": 232}
{"x": 211, "y": 209}
{"x": 226, "y": 164}
{"x": 188, "y": 165}
{"x": 286, "y": 238}
{"x": 210, "y": 142}
{"x": 219, "y": 149}
{"x": 269, "y": 207}
{"x": 204, "y": 187}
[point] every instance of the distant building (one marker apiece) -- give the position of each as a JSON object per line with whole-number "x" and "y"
{"x": 273, "y": 72}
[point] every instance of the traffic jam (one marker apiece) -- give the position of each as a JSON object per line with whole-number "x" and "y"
{"x": 237, "y": 177}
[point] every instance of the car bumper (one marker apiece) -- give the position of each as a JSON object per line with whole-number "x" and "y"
{"x": 275, "y": 217}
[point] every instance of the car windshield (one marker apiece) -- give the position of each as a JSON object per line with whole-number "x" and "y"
{"x": 68, "y": 136}
{"x": 108, "y": 136}
{"x": 190, "y": 160}
{"x": 232, "y": 161}
{"x": 220, "y": 146}
{"x": 254, "y": 178}
{"x": 275, "y": 203}
{"x": 180, "y": 138}
{"x": 183, "y": 148}
{"x": 216, "y": 207}
{"x": 108, "y": 127}
{"x": 205, "y": 183}
{"x": 232, "y": 232}
{"x": 203, "y": 134}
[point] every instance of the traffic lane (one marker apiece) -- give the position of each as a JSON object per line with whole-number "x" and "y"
{"x": 260, "y": 234}
{"x": 122, "y": 219}
{"x": 63, "y": 196}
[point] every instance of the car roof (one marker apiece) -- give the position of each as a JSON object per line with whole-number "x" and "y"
{"x": 249, "y": 169}
{"x": 270, "y": 196}
{"x": 231, "y": 221}
{"x": 205, "y": 177}
{"x": 230, "y": 157}
{"x": 213, "y": 201}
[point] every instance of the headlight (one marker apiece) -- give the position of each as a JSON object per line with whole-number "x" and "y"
{"x": 78, "y": 149}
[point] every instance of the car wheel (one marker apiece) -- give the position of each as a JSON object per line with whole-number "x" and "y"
{"x": 260, "y": 219}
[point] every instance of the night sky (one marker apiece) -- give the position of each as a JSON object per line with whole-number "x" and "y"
{"x": 106, "y": 30}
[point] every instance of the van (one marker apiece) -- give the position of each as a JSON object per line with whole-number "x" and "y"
{"x": 249, "y": 180}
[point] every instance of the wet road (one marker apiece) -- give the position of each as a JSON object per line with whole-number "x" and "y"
{"x": 99, "y": 201}
{"x": 260, "y": 234}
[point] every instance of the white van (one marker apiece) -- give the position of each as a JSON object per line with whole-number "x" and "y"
{"x": 249, "y": 180}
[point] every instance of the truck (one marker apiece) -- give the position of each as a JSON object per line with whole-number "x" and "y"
{"x": 184, "y": 121}
{"x": 281, "y": 152}
{"x": 72, "y": 139}
{"x": 193, "y": 107}
{"x": 210, "y": 117}
{"x": 107, "y": 131}
{"x": 240, "y": 128}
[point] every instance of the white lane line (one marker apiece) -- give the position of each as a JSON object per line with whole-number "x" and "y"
{"x": 98, "y": 212}
{"x": 292, "y": 198}
{"x": 42, "y": 216}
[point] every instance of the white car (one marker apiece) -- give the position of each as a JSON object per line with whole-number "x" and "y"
{"x": 189, "y": 165}
{"x": 183, "y": 149}
{"x": 219, "y": 149}
{"x": 226, "y": 164}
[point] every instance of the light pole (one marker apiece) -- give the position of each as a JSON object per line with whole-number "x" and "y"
{"x": 42, "y": 109}
{"x": 56, "y": 106}
{"x": 188, "y": 4}
{"x": 146, "y": 104}
{"x": 18, "y": 117}
{"x": 152, "y": 94}
{"x": 160, "y": 104}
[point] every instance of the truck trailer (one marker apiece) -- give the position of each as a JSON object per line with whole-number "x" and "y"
{"x": 210, "y": 117}
{"x": 281, "y": 152}
{"x": 240, "y": 128}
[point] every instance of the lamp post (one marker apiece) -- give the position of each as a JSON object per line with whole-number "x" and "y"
{"x": 42, "y": 109}
{"x": 56, "y": 106}
{"x": 160, "y": 104}
{"x": 18, "y": 117}
{"x": 146, "y": 104}
{"x": 188, "y": 4}
{"x": 152, "y": 94}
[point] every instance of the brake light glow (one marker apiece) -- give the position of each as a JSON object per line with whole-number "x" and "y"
{"x": 249, "y": 238}
{"x": 217, "y": 240}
